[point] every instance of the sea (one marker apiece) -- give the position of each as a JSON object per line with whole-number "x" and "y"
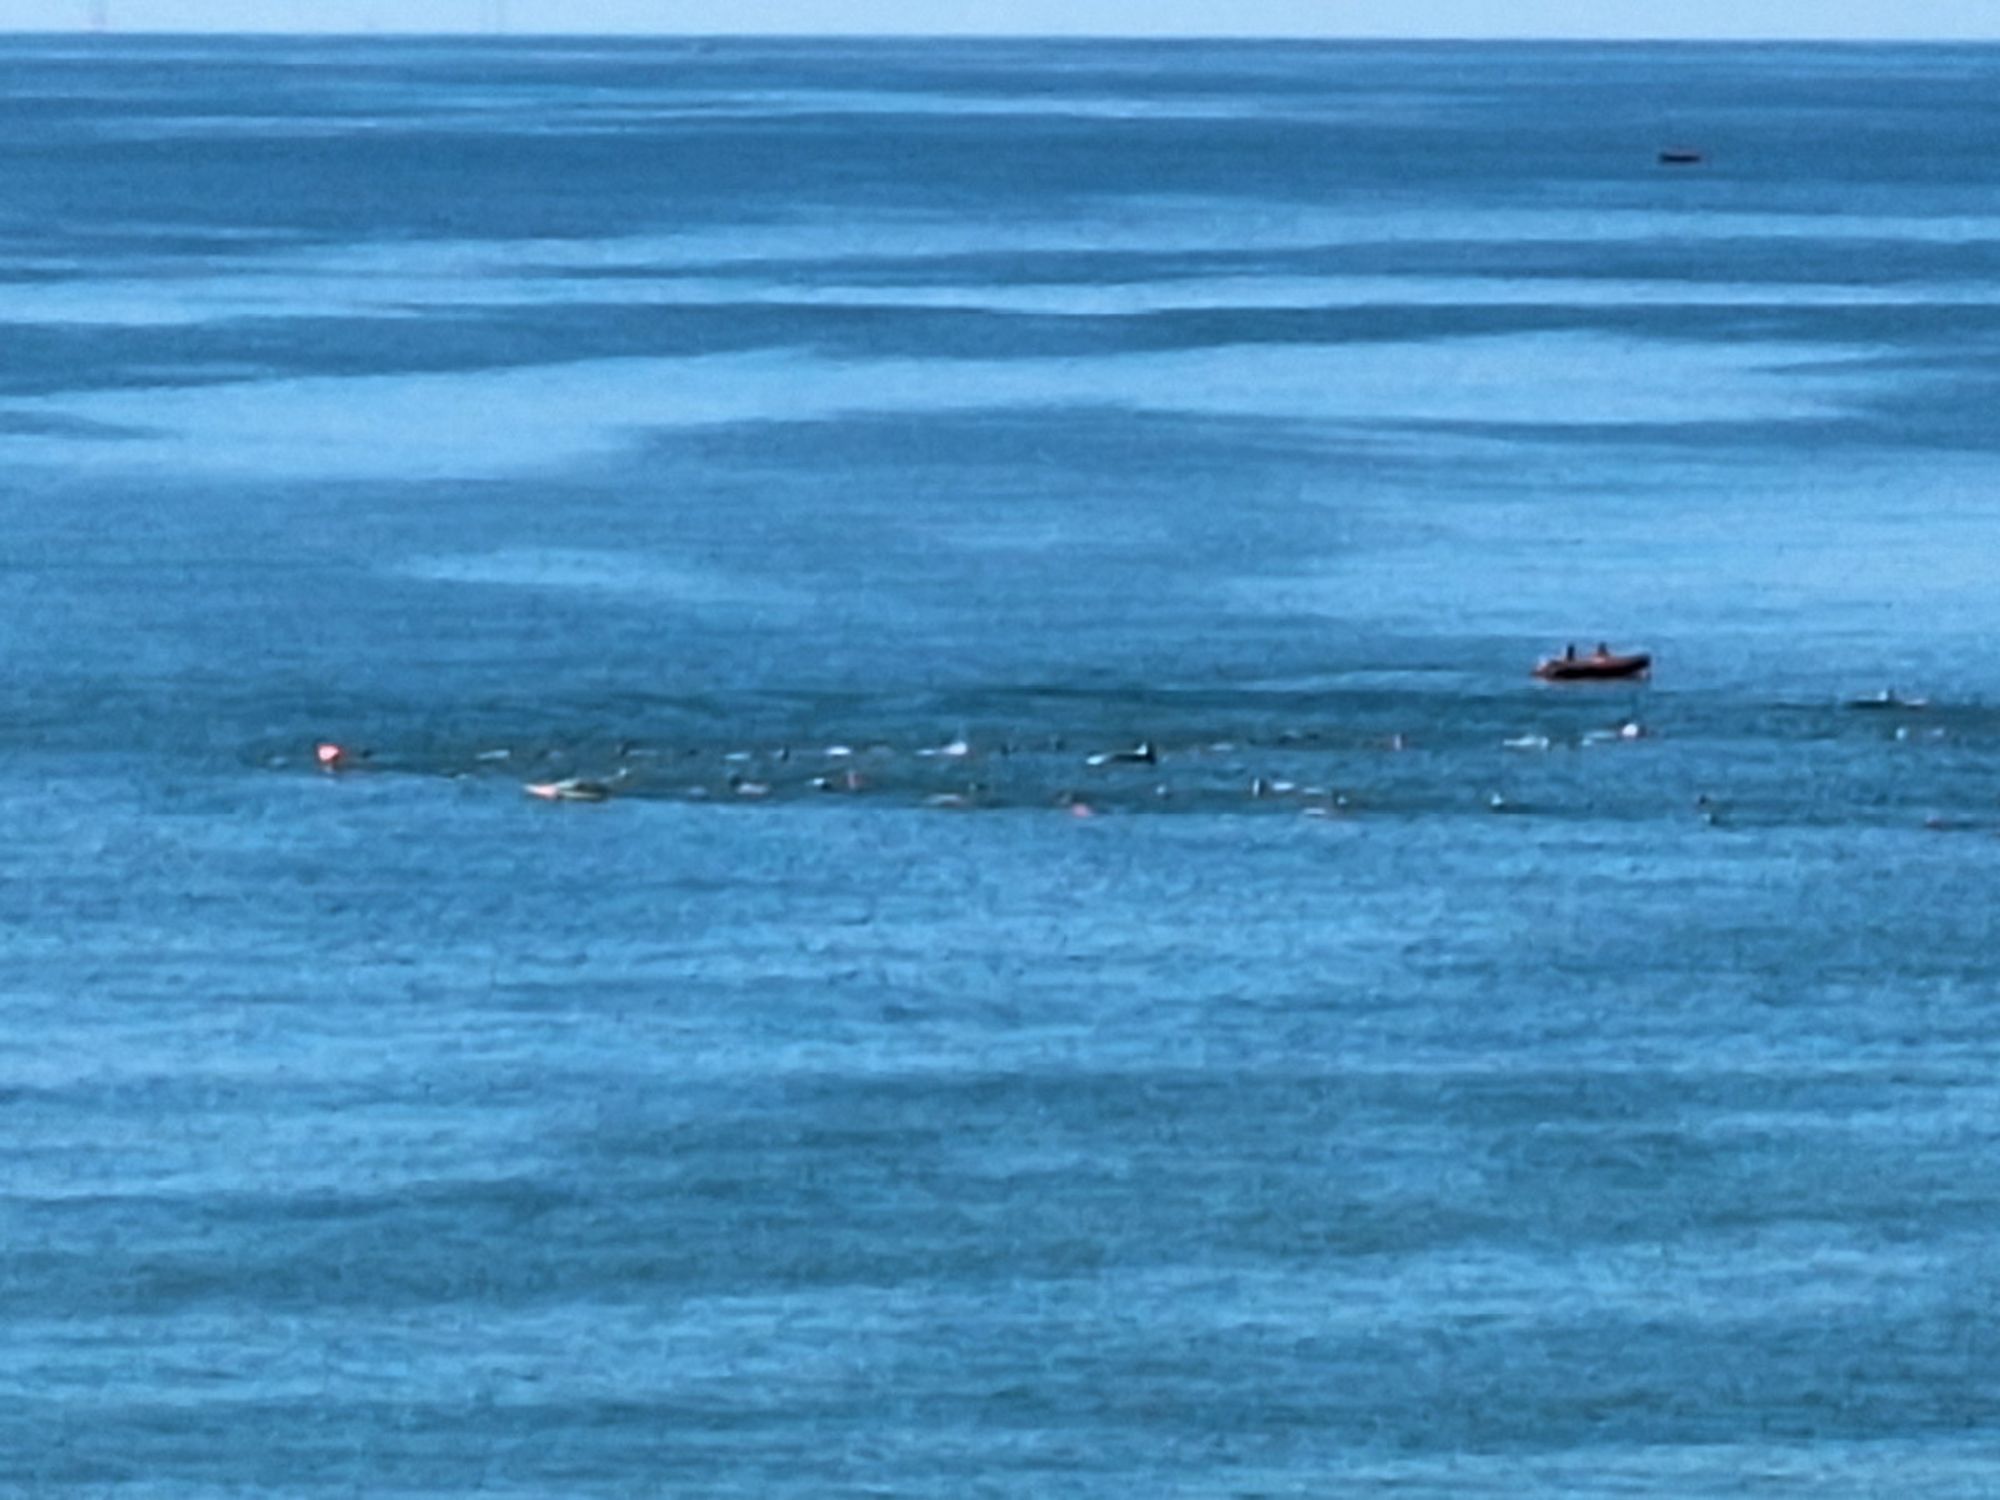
{"x": 1098, "y": 971}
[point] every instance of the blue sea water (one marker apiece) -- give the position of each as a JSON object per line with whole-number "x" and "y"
{"x": 1581, "y": 1116}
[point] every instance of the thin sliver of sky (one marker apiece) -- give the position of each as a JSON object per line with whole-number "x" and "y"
{"x": 1840, "y": 20}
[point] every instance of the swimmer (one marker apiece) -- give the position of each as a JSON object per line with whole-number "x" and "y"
{"x": 569, "y": 789}
{"x": 1141, "y": 754}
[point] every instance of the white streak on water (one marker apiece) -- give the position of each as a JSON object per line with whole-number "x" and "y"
{"x": 698, "y": 266}
{"x": 519, "y": 420}
{"x": 618, "y": 572}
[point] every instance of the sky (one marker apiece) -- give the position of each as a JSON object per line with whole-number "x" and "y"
{"x": 1942, "y": 20}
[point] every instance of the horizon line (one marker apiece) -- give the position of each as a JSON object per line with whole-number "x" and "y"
{"x": 477, "y": 33}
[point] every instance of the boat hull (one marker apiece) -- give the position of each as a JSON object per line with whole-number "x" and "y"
{"x": 1594, "y": 668}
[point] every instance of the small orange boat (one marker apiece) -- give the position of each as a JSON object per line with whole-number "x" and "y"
{"x": 1600, "y": 666}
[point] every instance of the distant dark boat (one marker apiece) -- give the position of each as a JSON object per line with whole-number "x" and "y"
{"x": 1598, "y": 667}
{"x": 1680, "y": 156}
